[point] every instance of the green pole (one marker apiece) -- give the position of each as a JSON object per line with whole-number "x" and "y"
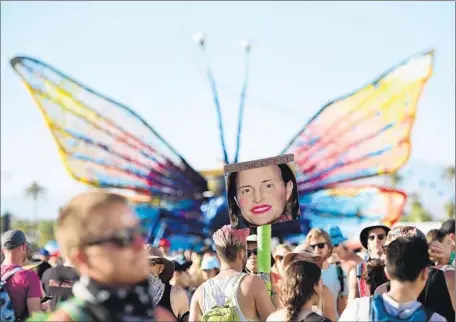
{"x": 264, "y": 252}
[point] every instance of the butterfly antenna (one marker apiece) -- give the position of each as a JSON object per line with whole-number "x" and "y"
{"x": 200, "y": 38}
{"x": 247, "y": 46}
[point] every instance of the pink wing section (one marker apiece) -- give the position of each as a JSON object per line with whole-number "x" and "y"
{"x": 365, "y": 133}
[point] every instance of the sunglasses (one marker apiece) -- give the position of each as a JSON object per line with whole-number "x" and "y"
{"x": 319, "y": 245}
{"x": 250, "y": 252}
{"x": 122, "y": 238}
{"x": 154, "y": 262}
{"x": 379, "y": 237}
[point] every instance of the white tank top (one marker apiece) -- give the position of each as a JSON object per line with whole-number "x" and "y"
{"x": 216, "y": 292}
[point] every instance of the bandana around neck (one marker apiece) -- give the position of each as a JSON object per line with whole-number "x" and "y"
{"x": 156, "y": 289}
{"x": 132, "y": 304}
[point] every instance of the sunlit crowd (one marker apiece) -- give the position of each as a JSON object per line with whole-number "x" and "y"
{"x": 104, "y": 270}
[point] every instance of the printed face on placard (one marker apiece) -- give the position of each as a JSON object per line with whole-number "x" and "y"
{"x": 262, "y": 195}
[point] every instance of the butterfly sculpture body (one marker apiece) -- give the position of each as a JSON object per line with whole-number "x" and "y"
{"x": 364, "y": 134}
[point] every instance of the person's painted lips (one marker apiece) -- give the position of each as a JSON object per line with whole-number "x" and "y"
{"x": 261, "y": 209}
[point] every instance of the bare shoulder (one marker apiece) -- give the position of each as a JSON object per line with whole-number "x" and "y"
{"x": 163, "y": 315}
{"x": 252, "y": 284}
{"x": 449, "y": 274}
{"x": 177, "y": 290}
{"x": 59, "y": 316}
{"x": 197, "y": 294}
{"x": 253, "y": 280}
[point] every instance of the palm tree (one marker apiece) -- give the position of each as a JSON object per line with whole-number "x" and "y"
{"x": 35, "y": 192}
{"x": 450, "y": 209}
{"x": 417, "y": 212}
{"x": 395, "y": 179}
{"x": 449, "y": 175}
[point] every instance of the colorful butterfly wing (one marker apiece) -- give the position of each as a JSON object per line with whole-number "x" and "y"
{"x": 105, "y": 144}
{"x": 355, "y": 204}
{"x": 365, "y": 133}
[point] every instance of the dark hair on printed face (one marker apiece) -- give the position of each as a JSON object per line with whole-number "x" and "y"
{"x": 292, "y": 205}
{"x": 406, "y": 257}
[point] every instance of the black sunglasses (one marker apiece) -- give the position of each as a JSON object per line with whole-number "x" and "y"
{"x": 121, "y": 238}
{"x": 252, "y": 251}
{"x": 319, "y": 245}
{"x": 155, "y": 262}
{"x": 379, "y": 237}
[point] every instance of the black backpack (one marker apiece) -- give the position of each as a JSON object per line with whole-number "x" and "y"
{"x": 314, "y": 317}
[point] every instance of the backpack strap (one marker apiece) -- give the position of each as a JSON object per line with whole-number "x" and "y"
{"x": 235, "y": 286}
{"x": 340, "y": 276}
{"x": 371, "y": 312}
{"x": 429, "y": 313}
{"x": 6, "y": 276}
{"x": 232, "y": 289}
{"x": 359, "y": 273}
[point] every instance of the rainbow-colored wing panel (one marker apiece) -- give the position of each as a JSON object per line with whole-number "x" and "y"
{"x": 353, "y": 204}
{"x": 104, "y": 143}
{"x": 365, "y": 133}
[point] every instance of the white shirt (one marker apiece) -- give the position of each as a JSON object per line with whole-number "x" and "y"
{"x": 359, "y": 309}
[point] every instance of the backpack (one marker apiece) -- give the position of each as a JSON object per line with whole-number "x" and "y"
{"x": 314, "y": 317}
{"x": 7, "y": 309}
{"x": 227, "y": 312}
{"x": 362, "y": 291}
{"x": 378, "y": 312}
{"x": 340, "y": 277}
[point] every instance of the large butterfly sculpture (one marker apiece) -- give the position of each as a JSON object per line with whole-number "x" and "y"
{"x": 366, "y": 133}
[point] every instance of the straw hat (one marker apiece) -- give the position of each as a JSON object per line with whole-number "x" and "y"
{"x": 301, "y": 252}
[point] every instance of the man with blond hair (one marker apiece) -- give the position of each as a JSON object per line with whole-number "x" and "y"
{"x": 245, "y": 294}
{"x": 100, "y": 234}
{"x": 333, "y": 275}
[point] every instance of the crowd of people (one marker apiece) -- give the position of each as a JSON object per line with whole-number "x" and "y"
{"x": 104, "y": 270}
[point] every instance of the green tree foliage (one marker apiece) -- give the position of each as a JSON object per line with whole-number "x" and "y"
{"x": 449, "y": 175}
{"x": 450, "y": 209}
{"x": 35, "y": 191}
{"x": 395, "y": 179}
{"x": 417, "y": 212}
{"x": 45, "y": 229}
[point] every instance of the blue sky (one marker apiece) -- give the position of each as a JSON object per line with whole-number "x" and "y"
{"x": 142, "y": 54}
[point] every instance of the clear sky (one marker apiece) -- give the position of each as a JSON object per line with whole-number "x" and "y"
{"x": 142, "y": 54}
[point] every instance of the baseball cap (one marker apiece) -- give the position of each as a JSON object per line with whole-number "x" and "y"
{"x": 13, "y": 238}
{"x": 164, "y": 243}
{"x": 44, "y": 252}
{"x": 252, "y": 238}
{"x": 336, "y": 235}
{"x": 209, "y": 263}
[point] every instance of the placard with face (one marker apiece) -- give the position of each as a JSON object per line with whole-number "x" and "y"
{"x": 262, "y": 192}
